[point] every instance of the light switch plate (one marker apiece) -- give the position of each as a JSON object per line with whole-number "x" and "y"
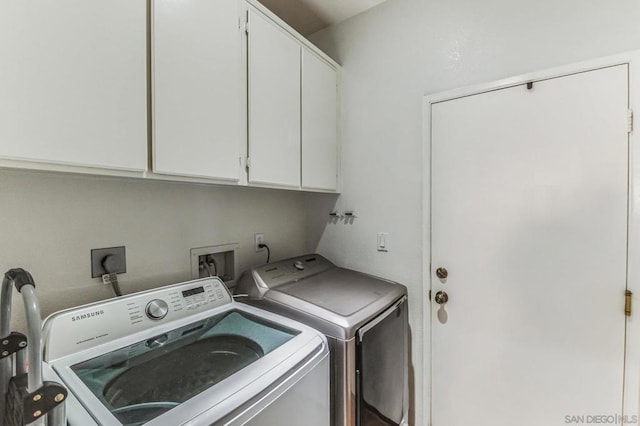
{"x": 383, "y": 241}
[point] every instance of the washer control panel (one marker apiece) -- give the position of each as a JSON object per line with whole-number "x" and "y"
{"x": 178, "y": 301}
{"x": 81, "y": 328}
{"x": 203, "y": 295}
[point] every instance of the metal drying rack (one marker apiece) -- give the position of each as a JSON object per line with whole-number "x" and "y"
{"x": 25, "y": 399}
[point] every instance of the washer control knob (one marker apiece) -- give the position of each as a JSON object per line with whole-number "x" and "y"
{"x": 299, "y": 265}
{"x": 157, "y": 309}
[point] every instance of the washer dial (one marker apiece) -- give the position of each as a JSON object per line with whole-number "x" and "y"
{"x": 157, "y": 309}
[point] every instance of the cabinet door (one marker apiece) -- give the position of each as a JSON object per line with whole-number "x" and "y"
{"x": 73, "y": 84}
{"x": 198, "y": 88}
{"x": 319, "y": 124}
{"x": 274, "y": 104}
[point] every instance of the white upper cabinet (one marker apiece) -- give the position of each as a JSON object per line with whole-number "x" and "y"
{"x": 73, "y": 87}
{"x": 199, "y": 88}
{"x": 183, "y": 87}
{"x": 274, "y": 104}
{"x": 319, "y": 123}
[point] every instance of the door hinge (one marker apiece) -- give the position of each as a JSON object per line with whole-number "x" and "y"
{"x": 630, "y": 121}
{"x": 246, "y": 24}
{"x": 627, "y": 302}
{"x": 248, "y": 163}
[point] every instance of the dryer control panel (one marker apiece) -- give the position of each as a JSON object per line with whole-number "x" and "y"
{"x": 275, "y": 274}
{"x": 81, "y": 328}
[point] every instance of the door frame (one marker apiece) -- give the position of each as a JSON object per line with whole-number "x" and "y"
{"x": 631, "y": 398}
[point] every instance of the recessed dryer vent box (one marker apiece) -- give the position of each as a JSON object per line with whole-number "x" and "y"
{"x": 113, "y": 258}
{"x": 217, "y": 260}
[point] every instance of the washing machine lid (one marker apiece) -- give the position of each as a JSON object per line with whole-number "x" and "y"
{"x": 192, "y": 370}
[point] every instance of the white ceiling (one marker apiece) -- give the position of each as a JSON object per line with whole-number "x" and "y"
{"x": 309, "y": 16}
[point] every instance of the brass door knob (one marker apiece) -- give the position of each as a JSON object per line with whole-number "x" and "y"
{"x": 442, "y": 273}
{"x": 441, "y": 298}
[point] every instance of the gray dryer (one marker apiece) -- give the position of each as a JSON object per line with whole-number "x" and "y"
{"x": 365, "y": 321}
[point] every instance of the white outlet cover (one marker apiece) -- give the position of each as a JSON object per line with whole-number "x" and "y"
{"x": 257, "y": 240}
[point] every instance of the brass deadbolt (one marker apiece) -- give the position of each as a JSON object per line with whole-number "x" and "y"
{"x": 441, "y": 298}
{"x": 442, "y": 273}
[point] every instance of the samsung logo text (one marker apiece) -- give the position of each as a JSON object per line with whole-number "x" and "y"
{"x": 87, "y": 315}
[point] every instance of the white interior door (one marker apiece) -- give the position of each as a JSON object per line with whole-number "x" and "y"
{"x": 529, "y": 218}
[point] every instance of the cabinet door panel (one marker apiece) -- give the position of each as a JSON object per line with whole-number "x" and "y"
{"x": 198, "y": 88}
{"x": 73, "y": 82}
{"x": 274, "y": 104}
{"x": 319, "y": 124}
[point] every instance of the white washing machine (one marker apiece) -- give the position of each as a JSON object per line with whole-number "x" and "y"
{"x": 187, "y": 354}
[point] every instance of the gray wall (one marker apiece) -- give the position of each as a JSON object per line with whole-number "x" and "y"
{"x": 394, "y": 54}
{"x": 50, "y": 222}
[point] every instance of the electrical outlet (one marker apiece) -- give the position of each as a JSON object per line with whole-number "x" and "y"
{"x": 257, "y": 240}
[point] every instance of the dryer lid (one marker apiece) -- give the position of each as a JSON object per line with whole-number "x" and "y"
{"x": 311, "y": 289}
{"x": 341, "y": 291}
